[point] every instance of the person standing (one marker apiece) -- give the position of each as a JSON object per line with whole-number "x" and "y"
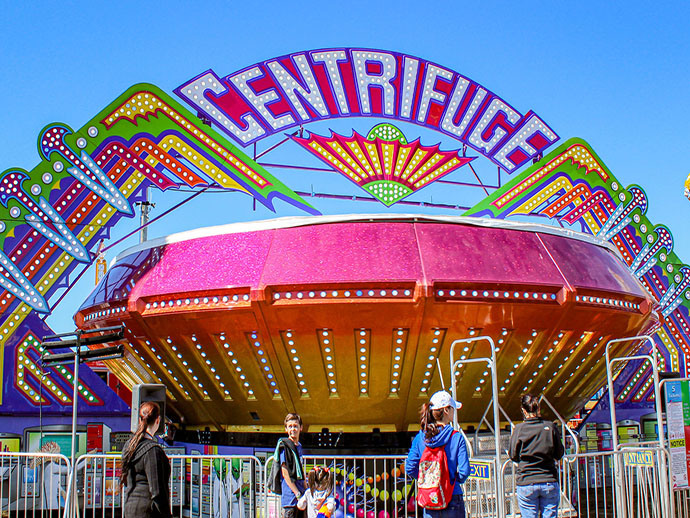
{"x": 146, "y": 469}
{"x": 53, "y": 470}
{"x": 536, "y": 446}
{"x": 437, "y": 442}
{"x": 318, "y": 499}
{"x": 292, "y": 478}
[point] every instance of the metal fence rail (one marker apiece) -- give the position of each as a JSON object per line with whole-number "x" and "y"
{"x": 213, "y": 486}
{"x": 370, "y": 486}
{"x": 378, "y": 487}
{"x": 33, "y": 484}
{"x": 234, "y": 486}
{"x": 588, "y": 480}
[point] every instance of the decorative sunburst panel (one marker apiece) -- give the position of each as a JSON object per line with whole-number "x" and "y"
{"x": 383, "y": 163}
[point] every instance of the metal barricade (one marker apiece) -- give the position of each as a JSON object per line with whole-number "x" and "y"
{"x": 378, "y": 487}
{"x": 587, "y": 485}
{"x": 370, "y": 486}
{"x": 271, "y": 507}
{"x": 234, "y": 486}
{"x": 33, "y": 484}
{"x": 645, "y": 482}
{"x": 480, "y": 489}
{"x": 681, "y": 503}
{"x": 213, "y": 486}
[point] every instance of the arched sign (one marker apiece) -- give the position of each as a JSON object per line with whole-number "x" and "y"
{"x": 304, "y": 87}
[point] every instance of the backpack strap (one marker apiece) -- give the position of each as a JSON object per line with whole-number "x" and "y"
{"x": 319, "y": 503}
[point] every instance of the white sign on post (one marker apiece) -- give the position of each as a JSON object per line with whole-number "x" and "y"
{"x": 676, "y": 412}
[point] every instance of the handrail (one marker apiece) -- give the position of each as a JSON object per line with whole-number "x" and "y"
{"x": 652, "y": 358}
{"x": 505, "y": 414}
{"x": 479, "y": 425}
{"x": 493, "y": 366}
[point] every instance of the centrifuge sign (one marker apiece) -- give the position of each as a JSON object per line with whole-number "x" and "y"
{"x": 304, "y": 87}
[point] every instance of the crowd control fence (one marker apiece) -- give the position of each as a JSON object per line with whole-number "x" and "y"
{"x": 367, "y": 486}
{"x": 378, "y": 486}
{"x": 201, "y": 486}
{"x": 33, "y": 484}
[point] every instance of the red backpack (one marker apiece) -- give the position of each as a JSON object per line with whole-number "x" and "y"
{"x": 434, "y": 486}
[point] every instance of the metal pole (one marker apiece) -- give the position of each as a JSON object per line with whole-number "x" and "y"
{"x": 500, "y": 503}
{"x": 144, "y": 217}
{"x": 617, "y": 470}
{"x": 500, "y": 495}
{"x": 75, "y": 394}
{"x": 145, "y": 207}
{"x": 663, "y": 473}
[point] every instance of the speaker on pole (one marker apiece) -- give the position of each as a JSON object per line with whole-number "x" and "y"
{"x": 147, "y": 392}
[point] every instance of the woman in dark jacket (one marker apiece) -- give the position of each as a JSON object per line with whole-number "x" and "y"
{"x": 146, "y": 469}
{"x": 536, "y": 446}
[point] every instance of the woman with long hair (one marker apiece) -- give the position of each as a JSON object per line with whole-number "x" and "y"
{"x": 146, "y": 469}
{"x": 536, "y": 445}
{"x": 439, "y": 488}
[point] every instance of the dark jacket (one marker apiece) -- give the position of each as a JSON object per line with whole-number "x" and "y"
{"x": 536, "y": 446}
{"x": 293, "y": 461}
{"x": 290, "y": 454}
{"x": 456, "y": 453}
{"x": 147, "y": 494}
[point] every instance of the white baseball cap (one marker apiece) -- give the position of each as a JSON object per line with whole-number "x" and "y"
{"x": 442, "y": 399}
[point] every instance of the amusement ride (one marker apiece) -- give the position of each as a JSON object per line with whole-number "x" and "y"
{"x": 348, "y": 319}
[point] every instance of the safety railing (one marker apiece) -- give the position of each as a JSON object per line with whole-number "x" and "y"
{"x": 662, "y": 473}
{"x": 369, "y": 486}
{"x": 587, "y": 485}
{"x": 378, "y": 487}
{"x": 214, "y": 486}
{"x": 234, "y": 486}
{"x": 33, "y": 484}
{"x": 491, "y": 364}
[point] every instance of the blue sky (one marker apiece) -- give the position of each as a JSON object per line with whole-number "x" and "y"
{"x": 616, "y": 74}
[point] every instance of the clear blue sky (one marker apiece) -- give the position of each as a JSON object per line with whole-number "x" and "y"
{"x": 616, "y": 74}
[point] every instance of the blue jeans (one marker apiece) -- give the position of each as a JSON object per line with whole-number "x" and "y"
{"x": 539, "y": 498}
{"x": 455, "y": 509}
